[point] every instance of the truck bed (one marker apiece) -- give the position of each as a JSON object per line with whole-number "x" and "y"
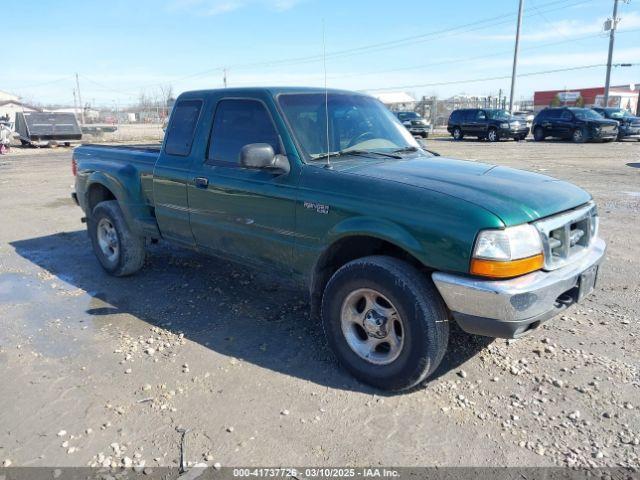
{"x": 142, "y": 147}
{"x": 132, "y": 164}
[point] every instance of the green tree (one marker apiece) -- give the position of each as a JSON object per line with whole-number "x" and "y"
{"x": 555, "y": 101}
{"x": 580, "y": 101}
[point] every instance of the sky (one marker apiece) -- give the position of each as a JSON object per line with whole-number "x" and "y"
{"x": 122, "y": 48}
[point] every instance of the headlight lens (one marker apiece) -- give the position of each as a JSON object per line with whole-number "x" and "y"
{"x": 511, "y": 243}
{"x": 507, "y": 253}
{"x": 504, "y": 125}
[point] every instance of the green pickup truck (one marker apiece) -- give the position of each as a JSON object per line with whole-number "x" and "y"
{"x": 328, "y": 189}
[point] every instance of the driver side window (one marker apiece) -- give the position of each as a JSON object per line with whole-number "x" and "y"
{"x": 566, "y": 116}
{"x": 238, "y": 123}
{"x": 481, "y": 115}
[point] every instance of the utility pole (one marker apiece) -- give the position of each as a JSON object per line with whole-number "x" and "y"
{"x": 80, "y": 99}
{"x": 612, "y": 35}
{"x": 75, "y": 103}
{"x": 515, "y": 55}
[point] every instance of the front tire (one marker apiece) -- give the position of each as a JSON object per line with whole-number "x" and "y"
{"x": 538, "y": 134}
{"x": 385, "y": 322}
{"x": 119, "y": 251}
{"x": 457, "y": 134}
{"x": 579, "y": 136}
{"x": 492, "y": 135}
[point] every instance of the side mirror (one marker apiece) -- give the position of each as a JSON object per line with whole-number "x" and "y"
{"x": 262, "y": 156}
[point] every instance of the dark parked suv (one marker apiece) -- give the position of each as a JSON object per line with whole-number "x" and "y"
{"x": 628, "y": 124}
{"x": 492, "y": 124}
{"x": 577, "y": 124}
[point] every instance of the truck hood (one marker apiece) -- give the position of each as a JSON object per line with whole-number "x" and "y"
{"x": 515, "y": 196}
{"x": 602, "y": 122}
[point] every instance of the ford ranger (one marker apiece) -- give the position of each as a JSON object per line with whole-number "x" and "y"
{"x": 329, "y": 190}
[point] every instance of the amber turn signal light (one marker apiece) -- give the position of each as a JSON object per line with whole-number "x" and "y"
{"x": 506, "y": 269}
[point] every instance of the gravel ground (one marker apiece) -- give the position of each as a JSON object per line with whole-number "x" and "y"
{"x": 102, "y": 371}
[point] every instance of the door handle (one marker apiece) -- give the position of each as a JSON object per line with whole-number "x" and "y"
{"x": 201, "y": 182}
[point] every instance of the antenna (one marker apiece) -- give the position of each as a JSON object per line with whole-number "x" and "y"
{"x": 326, "y": 94}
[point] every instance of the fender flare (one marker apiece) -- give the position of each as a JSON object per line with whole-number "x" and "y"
{"x": 382, "y": 229}
{"x": 120, "y": 193}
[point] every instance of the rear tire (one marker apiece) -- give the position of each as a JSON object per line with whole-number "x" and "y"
{"x": 119, "y": 251}
{"x": 385, "y": 322}
{"x": 457, "y": 134}
{"x": 538, "y": 134}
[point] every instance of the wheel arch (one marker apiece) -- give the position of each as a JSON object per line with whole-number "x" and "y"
{"x": 97, "y": 192}
{"x": 101, "y": 187}
{"x": 347, "y": 244}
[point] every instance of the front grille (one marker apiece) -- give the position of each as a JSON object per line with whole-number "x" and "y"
{"x": 568, "y": 236}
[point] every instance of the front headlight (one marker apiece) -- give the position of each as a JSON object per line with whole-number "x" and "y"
{"x": 406, "y": 124}
{"x": 507, "y": 253}
{"x": 504, "y": 125}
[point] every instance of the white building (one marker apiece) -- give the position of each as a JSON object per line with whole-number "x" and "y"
{"x": 397, "y": 101}
{"x": 6, "y": 96}
{"x": 10, "y": 104}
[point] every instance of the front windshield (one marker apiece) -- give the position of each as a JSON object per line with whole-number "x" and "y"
{"x": 356, "y": 122}
{"x": 408, "y": 116}
{"x": 586, "y": 114}
{"x": 499, "y": 115}
{"x": 618, "y": 113}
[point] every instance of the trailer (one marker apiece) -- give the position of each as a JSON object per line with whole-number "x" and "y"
{"x": 47, "y": 128}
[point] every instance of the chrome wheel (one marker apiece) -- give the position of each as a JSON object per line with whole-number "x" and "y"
{"x": 577, "y": 135}
{"x": 493, "y": 135}
{"x": 457, "y": 134}
{"x": 108, "y": 239}
{"x": 372, "y": 326}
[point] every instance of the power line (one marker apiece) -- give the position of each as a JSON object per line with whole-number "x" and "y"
{"x": 540, "y": 14}
{"x": 478, "y": 25}
{"x": 380, "y": 46}
{"x": 486, "y": 79}
{"x": 42, "y": 84}
{"x": 502, "y": 53}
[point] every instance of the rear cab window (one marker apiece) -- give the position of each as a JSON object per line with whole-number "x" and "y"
{"x": 236, "y": 123}
{"x": 182, "y": 127}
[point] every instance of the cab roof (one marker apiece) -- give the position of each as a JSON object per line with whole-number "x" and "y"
{"x": 257, "y": 91}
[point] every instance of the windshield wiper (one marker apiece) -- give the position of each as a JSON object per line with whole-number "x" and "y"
{"x": 408, "y": 149}
{"x": 362, "y": 153}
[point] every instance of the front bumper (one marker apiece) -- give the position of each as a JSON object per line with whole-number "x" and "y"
{"x": 629, "y": 132}
{"x": 600, "y": 135}
{"x": 512, "y": 308}
{"x": 512, "y": 132}
{"x": 422, "y": 131}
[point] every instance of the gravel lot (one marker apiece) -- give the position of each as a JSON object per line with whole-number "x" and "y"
{"x": 96, "y": 370}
